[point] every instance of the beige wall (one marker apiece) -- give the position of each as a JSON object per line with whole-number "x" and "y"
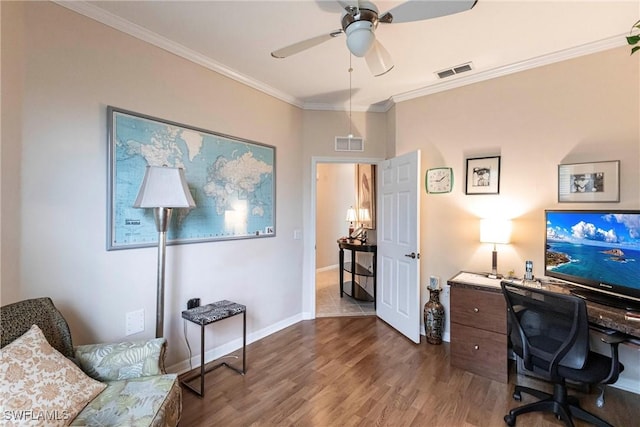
{"x": 569, "y": 112}
{"x": 61, "y": 70}
{"x": 336, "y": 192}
{"x": 582, "y": 110}
{"x": 11, "y": 110}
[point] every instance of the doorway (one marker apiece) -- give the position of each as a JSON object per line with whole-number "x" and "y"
{"x": 335, "y": 194}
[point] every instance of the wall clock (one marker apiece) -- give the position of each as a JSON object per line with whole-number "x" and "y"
{"x": 439, "y": 180}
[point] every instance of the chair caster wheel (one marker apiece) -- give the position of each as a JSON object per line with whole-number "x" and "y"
{"x": 510, "y": 420}
{"x": 517, "y": 396}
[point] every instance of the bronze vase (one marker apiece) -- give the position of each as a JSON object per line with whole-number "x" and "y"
{"x": 434, "y": 317}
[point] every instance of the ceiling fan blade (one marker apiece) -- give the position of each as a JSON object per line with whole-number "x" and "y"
{"x": 304, "y": 45}
{"x": 425, "y": 9}
{"x": 378, "y": 59}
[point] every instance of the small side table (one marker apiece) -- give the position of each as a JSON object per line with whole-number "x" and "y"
{"x": 211, "y": 313}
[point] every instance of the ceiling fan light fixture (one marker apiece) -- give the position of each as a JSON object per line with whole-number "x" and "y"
{"x": 360, "y": 37}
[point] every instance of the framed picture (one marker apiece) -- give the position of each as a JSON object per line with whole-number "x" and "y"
{"x": 589, "y": 182}
{"x": 366, "y": 183}
{"x": 483, "y": 175}
{"x": 232, "y": 182}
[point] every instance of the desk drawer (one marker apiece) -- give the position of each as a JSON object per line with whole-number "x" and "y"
{"x": 480, "y": 309}
{"x": 478, "y": 351}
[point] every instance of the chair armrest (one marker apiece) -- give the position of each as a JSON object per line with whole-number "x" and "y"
{"x": 613, "y": 339}
{"x": 120, "y": 361}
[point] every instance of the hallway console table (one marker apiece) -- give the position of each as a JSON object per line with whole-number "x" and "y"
{"x": 357, "y": 291}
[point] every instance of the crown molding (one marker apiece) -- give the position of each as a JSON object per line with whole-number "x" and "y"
{"x": 113, "y": 21}
{"x": 373, "y": 108}
{"x": 562, "y": 55}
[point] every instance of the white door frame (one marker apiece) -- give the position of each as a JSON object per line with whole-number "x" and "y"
{"x": 309, "y": 267}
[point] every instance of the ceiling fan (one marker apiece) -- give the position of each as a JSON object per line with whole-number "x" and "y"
{"x": 360, "y": 19}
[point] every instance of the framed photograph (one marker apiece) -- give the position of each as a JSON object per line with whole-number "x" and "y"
{"x": 232, "y": 182}
{"x": 483, "y": 175}
{"x": 366, "y": 183}
{"x": 589, "y": 182}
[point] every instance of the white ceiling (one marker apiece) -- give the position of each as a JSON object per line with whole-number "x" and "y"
{"x": 497, "y": 36}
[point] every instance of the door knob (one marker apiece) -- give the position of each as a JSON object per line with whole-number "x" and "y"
{"x": 412, "y": 255}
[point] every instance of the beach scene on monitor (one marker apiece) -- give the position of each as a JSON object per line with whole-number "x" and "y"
{"x": 595, "y": 246}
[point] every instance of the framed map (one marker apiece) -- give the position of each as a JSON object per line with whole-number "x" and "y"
{"x": 232, "y": 181}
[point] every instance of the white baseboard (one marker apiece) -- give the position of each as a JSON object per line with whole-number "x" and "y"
{"x": 627, "y": 384}
{"x": 327, "y": 268}
{"x": 446, "y": 337}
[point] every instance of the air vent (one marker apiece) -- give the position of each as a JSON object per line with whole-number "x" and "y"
{"x": 345, "y": 143}
{"x": 462, "y": 68}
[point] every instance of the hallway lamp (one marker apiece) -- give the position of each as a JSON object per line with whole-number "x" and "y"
{"x": 495, "y": 231}
{"x": 351, "y": 218}
{"x": 163, "y": 188}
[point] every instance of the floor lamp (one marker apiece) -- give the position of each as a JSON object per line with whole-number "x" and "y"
{"x": 163, "y": 188}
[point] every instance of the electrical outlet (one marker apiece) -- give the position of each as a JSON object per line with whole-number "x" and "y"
{"x": 134, "y": 322}
{"x": 193, "y": 303}
{"x": 445, "y": 292}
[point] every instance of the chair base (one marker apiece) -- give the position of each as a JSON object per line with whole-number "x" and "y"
{"x": 563, "y": 406}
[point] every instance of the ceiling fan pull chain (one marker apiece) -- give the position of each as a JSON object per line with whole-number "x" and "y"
{"x": 350, "y": 71}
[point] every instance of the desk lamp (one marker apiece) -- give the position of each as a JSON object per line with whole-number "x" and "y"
{"x": 495, "y": 231}
{"x": 163, "y": 188}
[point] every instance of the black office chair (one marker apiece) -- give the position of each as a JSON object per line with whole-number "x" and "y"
{"x": 550, "y": 333}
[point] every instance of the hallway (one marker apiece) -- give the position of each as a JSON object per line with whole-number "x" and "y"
{"x": 329, "y": 303}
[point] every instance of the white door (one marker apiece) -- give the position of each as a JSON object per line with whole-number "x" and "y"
{"x": 398, "y": 281}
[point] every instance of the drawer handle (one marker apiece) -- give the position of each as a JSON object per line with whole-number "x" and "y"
{"x": 476, "y": 309}
{"x": 476, "y": 347}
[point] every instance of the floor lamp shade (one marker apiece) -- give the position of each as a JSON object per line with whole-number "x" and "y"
{"x": 163, "y": 188}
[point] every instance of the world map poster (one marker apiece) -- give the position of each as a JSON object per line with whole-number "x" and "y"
{"x": 232, "y": 182}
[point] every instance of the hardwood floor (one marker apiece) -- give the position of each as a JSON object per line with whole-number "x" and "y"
{"x": 358, "y": 371}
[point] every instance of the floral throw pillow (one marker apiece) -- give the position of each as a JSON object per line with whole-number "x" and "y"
{"x": 39, "y": 386}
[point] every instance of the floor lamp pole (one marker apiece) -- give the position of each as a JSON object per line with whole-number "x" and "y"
{"x": 162, "y": 217}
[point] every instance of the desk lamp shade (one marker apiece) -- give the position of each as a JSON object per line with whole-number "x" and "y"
{"x": 495, "y": 231}
{"x": 351, "y": 218}
{"x": 163, "y": 188}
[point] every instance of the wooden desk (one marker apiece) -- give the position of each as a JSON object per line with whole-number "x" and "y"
{"x": 479, "y": 326}
{"x": 357, "y": 292}
{"x": 479, "y": 323}
{"x": 603, "y": 316}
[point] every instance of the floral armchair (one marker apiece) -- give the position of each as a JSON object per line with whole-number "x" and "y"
{"x": 127, "y": 384}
